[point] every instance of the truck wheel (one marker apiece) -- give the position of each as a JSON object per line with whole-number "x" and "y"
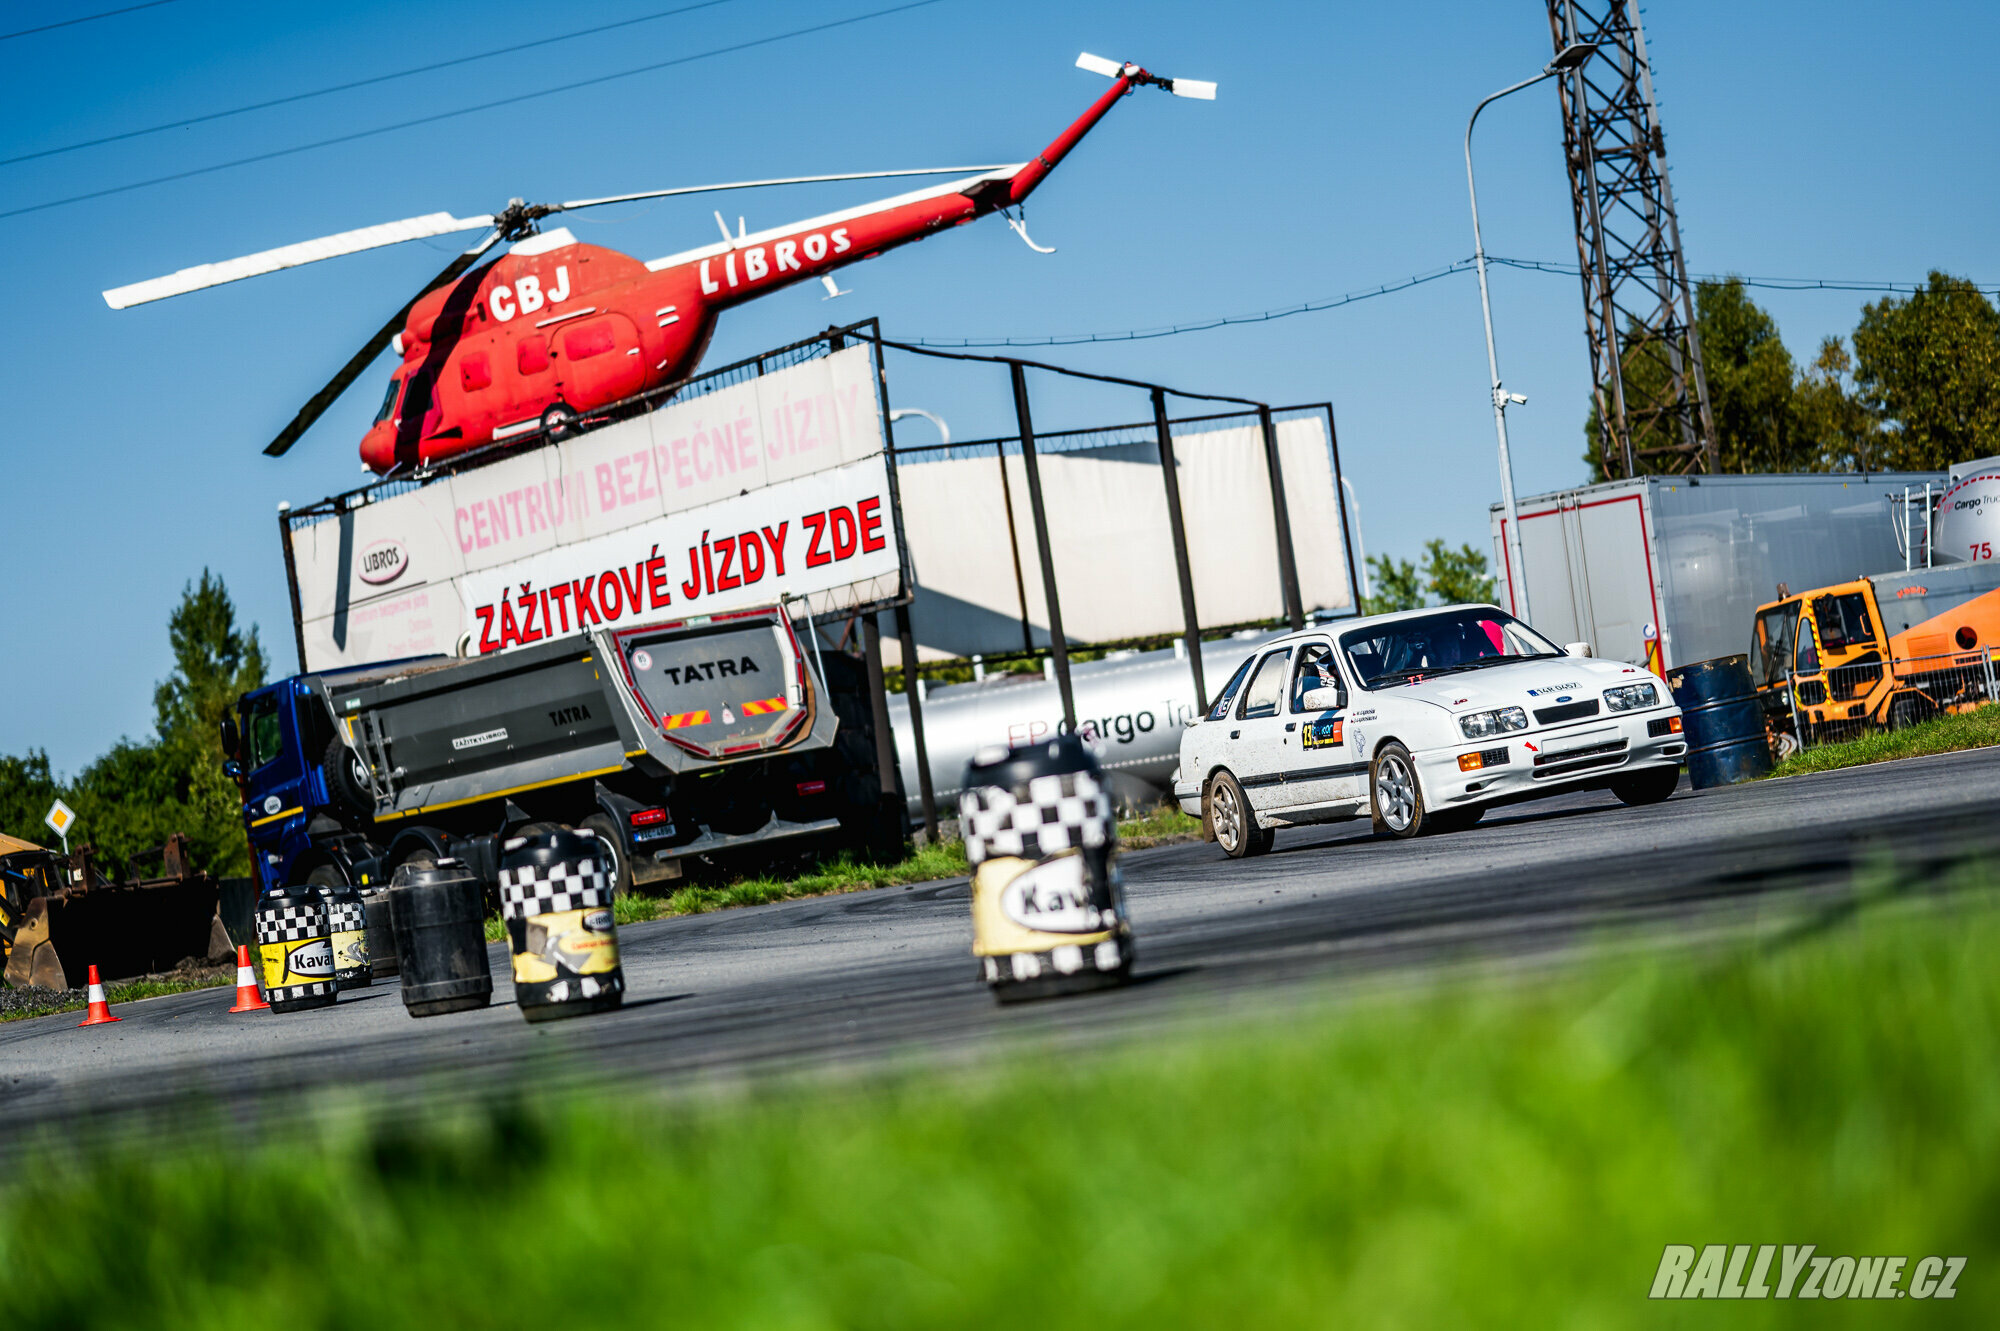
{"x": 326, "y": 875}
{"x": 1395, "y": 798}
{"x": 1906, "y": 712}
{"x": 346, "y": 777}
{"x": 1649, "y": 786}
{"x": 619, "y": 868}
{"x": 1229, "y": 812}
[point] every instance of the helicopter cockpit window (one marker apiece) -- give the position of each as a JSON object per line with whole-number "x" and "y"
{"x": 389, "y": 400}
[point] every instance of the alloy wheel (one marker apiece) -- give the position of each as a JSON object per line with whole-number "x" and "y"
{"x": 1396, "y": 792}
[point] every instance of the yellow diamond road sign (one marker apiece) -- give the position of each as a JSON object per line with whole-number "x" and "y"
{"x": 61, "y": 818}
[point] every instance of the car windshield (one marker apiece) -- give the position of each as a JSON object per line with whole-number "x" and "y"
{"x": 1771, "y": 646}
{"x": 1448, "y": 641}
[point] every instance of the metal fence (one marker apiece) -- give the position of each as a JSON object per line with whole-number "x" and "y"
{"x": 1849, "y": 701}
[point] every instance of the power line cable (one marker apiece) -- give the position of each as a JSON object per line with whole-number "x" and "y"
{"x": 468, "y": 110}
{"x": 1388, "y": 288}
{"x": 87, "y": 18}
{"x": 357, "y": 83}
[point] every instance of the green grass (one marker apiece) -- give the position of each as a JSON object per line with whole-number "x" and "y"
{"x": 116, "y": 993}
{"x": 1492, "y": 1153}
{"x": 1945, "y": 734}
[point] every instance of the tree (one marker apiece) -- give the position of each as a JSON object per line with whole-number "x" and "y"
{"x": 142, "y": 791}
{"x": 27, "y": 789}
{"x": 1396, "y": 585}
{"x": 1770, "y": 416}
{"x": 1930, "y": 364}
{"x": 1455, "y": 576}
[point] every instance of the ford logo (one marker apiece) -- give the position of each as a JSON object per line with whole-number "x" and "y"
{"x": 1564, "y": 698}
{"x": 383, "y": 561}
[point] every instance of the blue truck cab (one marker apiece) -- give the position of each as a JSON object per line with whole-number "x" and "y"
{"x": 283, "y": 738}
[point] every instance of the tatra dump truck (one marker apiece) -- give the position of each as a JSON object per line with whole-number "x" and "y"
{"x": 709, "y": 736}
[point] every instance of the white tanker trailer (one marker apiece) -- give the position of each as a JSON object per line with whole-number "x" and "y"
{"x": 1130, "y": 706}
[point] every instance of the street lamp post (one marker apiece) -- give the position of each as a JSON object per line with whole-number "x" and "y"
{"x": 1517, "y": 582}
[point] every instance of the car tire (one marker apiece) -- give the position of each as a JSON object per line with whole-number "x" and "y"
{"x": 1395, "y": 795}
{"x": 1235, "y": 825}
{"x": 1648, "y": 786}
{"x": 346, "y": 778}
{"x": 619, "y": 871}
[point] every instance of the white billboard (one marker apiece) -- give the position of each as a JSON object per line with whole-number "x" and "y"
{"x": 776, "y": 487}
{"x": 979, "y": 576}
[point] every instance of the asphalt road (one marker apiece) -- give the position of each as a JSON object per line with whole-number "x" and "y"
{"x": 885, "y": 977}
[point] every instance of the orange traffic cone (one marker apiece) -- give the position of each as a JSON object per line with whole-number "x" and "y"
{"x": 100, "y": 1011}
{"x": 247, "y": 997}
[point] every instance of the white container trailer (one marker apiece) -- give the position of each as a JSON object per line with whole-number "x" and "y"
{"x": 1694, "y": 555}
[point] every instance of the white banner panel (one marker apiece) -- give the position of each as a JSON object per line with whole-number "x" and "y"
{"x": 1110, "y": 542}
{"x": 777, "y": 486}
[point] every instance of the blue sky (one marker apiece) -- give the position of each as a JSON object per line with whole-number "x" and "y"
{"x": 1805, "y": 140}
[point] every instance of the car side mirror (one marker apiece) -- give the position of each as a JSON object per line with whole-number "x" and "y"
{"x": 233, "y": 770}
{"x": 230, "y": 739}
{"x": 1324, "y": 699}
{"x": 1576, "y": 649}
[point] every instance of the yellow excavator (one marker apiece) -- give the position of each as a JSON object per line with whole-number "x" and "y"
{"x": 59, "y": 916}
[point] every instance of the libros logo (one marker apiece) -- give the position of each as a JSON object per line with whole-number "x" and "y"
{"x": 382, "y": 561}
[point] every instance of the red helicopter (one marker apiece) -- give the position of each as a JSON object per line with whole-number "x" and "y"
{"x": 524, "y": 345}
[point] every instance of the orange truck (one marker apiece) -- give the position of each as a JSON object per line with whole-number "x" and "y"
{"x": 1877, "y": 653}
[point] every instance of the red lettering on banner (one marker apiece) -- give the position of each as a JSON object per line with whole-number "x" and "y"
{"x": 586, "y": 610}
{"x": 776, "y": 540}
{"x": 510, "y": 632}
{"x": 753, "y": 557}
{"x": 816, "y": 524}
{"x": 487, "y": 642}
{"x": 634, "y": 586}
{"x": 560, "y": 594}
{"x": 724, "y": 579}
{"x": 843, "y": 532}
{"x": 871, "y": 525}
{"x": 529, "y": 633}
{"x": 609, "y": 600}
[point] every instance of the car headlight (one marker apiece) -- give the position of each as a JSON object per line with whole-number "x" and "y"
{"x": 1627, "y": 696}
{"x": 1481, "y": 724}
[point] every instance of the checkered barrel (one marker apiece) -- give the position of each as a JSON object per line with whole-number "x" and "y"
{"x": 1048, "y": 909}
{"x": 347, "y": 919}
{"x": 295, "y": 949}
{"x": 555, "y": 899}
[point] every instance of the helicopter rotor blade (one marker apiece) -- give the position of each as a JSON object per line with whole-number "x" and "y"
{"x": 1200, "y": 89}
{"x": 316, "y": 406}
{"x": 784, "y": 180}
{"x": 290, "y": 256}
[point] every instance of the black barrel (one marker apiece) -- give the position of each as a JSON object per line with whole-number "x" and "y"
{"x": 555, "y": 898}
{"x": 440, "y": 924}
{"x": 295, "y": 945}
{"x": 348, "y": 920}
{"x": 1724, "y": 723}
{"x": 381, "y": 933}
{"x": 1048, "y": 911}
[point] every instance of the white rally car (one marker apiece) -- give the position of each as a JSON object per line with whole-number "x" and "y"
{"x": 1423, "y": 720}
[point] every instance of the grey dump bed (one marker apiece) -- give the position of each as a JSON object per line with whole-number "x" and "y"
{"x": 669, "y": 697}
